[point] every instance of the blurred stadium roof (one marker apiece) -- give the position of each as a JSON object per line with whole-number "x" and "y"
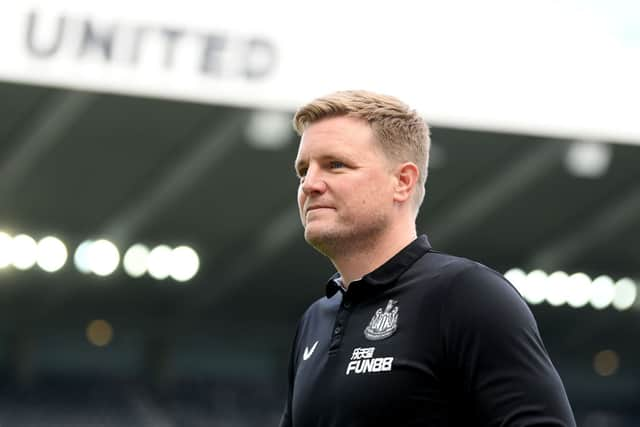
{"x": 512, "y": 107}
{"x": 84, "y": 165}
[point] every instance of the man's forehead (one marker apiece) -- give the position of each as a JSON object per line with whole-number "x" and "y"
{"x": 340, "y": 136}
{"x": 336, "y": 138}
{"x": 330, "y": 149}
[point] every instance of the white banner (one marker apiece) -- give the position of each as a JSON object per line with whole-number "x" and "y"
{"x": 558, "y": 68}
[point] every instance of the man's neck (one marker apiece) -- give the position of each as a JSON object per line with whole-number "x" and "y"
{"x": 362, "y": 259}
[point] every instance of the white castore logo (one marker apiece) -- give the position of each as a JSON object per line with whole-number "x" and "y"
{"x": 384, "y": 323}
{"x": 307, "y": 353}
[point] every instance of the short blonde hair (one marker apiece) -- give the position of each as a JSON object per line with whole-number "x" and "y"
{"x": 401, "y": 132}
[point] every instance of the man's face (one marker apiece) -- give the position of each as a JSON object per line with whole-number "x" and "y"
{"x": 345, "y": 194}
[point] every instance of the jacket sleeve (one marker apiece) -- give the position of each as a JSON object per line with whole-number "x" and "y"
{"x": 286, "y": 420}
{"x": 495, "y": 354}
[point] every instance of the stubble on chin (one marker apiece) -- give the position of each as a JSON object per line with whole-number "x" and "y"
{"x": 324, "y": 242}
{"x": 334, "y": 243}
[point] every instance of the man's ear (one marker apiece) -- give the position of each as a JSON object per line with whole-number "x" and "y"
{"x": 406, "y": 175}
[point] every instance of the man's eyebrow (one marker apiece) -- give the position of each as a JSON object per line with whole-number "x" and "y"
{"x": 329, "y": 156}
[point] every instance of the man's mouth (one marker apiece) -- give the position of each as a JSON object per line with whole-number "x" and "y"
{"x": 316, "y": 207}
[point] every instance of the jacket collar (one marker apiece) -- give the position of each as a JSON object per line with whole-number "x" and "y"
{"x": 389, "y": 271}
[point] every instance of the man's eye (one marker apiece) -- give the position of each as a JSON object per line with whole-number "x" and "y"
{"x": 336, "y": 164}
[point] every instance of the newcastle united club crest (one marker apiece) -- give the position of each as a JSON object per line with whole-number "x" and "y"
{"x": 384, "y": 323}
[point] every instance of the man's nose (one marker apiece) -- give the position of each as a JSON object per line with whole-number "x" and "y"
{"x": 313, "y": 182}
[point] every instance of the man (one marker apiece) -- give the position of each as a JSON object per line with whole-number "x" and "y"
{"x": 405, "y": 336}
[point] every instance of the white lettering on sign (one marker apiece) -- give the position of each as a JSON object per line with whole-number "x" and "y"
{"x": 132, "y": 46}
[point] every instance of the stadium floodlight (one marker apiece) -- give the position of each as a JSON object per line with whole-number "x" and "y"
{"x": 135, "y": 260}
{"x": 588, "y": 159}
{"x": 81, "y": 257}
{"x": 576, "y": 290}
{"x": 270, "y": 130}
{"x": 606, "y": 362}
{"x": 159, "y": 262}
{"x": 184, "y": 263}
{"x": 602, "y": 293}
{"x": 626, "y": 292}
{"x": 24, "y": 252}
{"x": 52, "y": 254}
{"x": 536, "y": 286}
{"x": 518, "y": 279}
{"x": 99, "y": 332}
{"x": 6, "y": 245}
{"x": 103, "y": 257}
{"x": 580, "y": 290}
{"x": 558, "y": 288}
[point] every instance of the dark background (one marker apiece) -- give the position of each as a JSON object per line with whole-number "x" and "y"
{"x": 213, "y": 351}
